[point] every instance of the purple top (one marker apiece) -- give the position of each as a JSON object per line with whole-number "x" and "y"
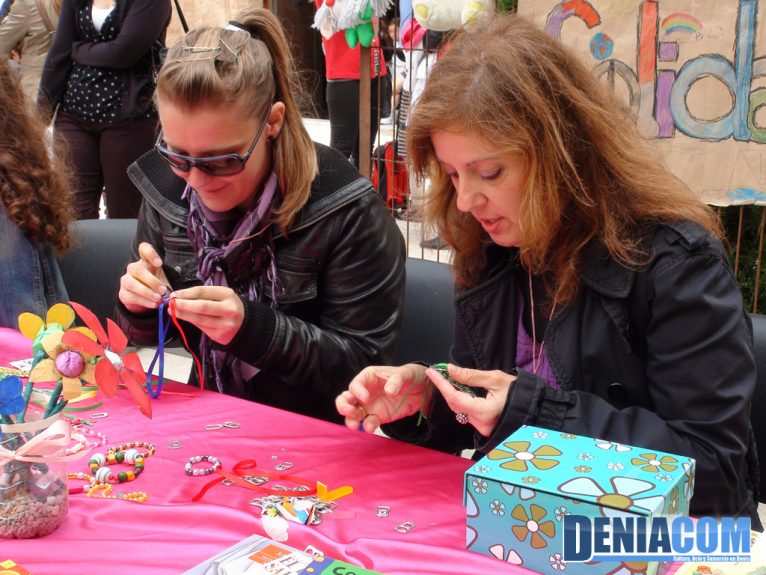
{"x": 524, "y": 355}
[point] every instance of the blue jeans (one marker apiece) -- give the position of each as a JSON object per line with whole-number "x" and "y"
{"x": 30, "y": 280}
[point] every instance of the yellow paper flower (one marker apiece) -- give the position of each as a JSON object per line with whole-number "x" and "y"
{"x": 63, "y": 363}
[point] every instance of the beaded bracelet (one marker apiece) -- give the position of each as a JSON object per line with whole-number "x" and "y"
{"x": 79, "y": 435}
{"x": 206, "y": 471}
{"x": 131, "y": 445}
{"x": 106, "y": 493}
{"x": 104, "y": 474}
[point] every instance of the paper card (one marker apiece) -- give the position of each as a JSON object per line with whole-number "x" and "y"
{"x": 177, "y": 366}
{"x": 23, "y": 364}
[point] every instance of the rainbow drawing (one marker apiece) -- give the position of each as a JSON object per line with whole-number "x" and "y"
{"x": 680, "y": 22}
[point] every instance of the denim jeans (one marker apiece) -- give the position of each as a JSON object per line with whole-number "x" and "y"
{"x": 30, "y": 279}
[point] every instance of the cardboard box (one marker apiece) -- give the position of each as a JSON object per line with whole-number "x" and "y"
{"x": 516, "y": 497}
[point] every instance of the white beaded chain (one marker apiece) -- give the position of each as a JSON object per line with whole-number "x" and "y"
{"x": 204, "y": 471}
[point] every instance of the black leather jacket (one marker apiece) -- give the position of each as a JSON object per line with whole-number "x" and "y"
{"x": 658, "y": 358}
{"x": 341, "y": 270}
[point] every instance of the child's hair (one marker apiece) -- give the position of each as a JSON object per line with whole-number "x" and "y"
{"x": 252, "y": 71}
{"x": 589, "y": 173}
{"x": 35, "y": 181}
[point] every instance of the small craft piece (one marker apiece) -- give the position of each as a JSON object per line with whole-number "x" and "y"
{"x": 442, "y": 369}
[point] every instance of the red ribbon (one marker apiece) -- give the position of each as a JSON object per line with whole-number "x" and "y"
{"x": 249, "y": 467}
{"x": 172, "y": 306}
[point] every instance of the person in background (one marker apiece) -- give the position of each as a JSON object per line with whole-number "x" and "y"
{"x": 342, "y": 70}
{"x": 280, "y": 258}
{"x": 99, "y": 76}
{"x": 5, "y": 7}
{"x": 594, "y": 297}
{"x": 32, "y": 22}
{"x": 35, "y": 190}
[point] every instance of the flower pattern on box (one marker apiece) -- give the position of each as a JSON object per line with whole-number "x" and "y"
{"x": 560, "y": 513}
{"x": 621, "y": 496}
{"x": 689, "y": 480}
{"x": 479, "y": 486}
{"x": 497, "y": 550}
{"x": 630, "y": 568}
{"x": 519, "y": 454}
{"x": 606, "y": 445}
{"x": 649, "y": 462}
{"x": 533, "y": 525}
{"x": 557, "y": 562}
{"x": 497, "y": 507}
{"x": 524, "y": 493}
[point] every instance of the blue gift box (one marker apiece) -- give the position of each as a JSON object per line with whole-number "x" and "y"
{"x": 517, "y": 496}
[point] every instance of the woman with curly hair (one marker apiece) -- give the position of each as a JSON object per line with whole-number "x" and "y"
{"x": 594, "y": 294}
{"x": 35, "y": 189}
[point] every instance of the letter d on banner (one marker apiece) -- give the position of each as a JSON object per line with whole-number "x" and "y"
{"x": 578, "y": 537}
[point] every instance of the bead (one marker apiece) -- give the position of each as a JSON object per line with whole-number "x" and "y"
{"x": 103, "y": 474}
{"x": 99, "y": 459}
{"x": 130, "y": 455}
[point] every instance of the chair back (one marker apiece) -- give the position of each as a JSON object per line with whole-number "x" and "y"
{"x": 758, "y": 405}
{"x": 93, "y": 266}
{"x": 429, "y": 315}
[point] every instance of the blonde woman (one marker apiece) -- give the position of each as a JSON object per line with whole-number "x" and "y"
{"x": 594, "y": 293}
{"x": 33, "y": 23}
{"x": 280, "y": 257}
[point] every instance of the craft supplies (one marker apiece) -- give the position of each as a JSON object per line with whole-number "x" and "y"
{"x": 248, "y": 467}
{"x": 405, "y": 527}
{"x": 215, "y": 464}
{"x": 217, "y": 426}
{"x": 81, "y": 435}
{"x": 131, "y": 445}
{"x": 159, "y": 356}
{"x": 123, "y": 453}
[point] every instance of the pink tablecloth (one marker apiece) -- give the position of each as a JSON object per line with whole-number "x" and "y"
{"x": 170, "y": 533}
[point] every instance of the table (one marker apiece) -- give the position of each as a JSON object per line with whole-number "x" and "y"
{"x": 170, "y": 533}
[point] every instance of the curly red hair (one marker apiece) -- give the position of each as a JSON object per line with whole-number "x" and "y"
{"x": 35, "y": 182}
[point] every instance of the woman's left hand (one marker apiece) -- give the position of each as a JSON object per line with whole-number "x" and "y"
{"x": 217, "y": 311}
{"x": 483, "y": 412}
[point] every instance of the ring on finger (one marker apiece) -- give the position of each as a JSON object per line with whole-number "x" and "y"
{"x": 461, "y": 417}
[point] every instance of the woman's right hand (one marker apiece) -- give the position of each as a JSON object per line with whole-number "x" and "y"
{"x": 144, "y": 282}
{"x": 381, "y": 394}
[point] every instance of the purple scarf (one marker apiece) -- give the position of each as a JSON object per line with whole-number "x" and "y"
{"x": 236, "y": 252}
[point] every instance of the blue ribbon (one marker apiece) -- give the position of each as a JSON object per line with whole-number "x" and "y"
{"x": 164, "y": 327}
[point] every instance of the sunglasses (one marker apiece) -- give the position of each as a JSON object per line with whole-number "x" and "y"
{"x": 221, "y": 165}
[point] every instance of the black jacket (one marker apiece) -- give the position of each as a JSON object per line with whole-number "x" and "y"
{"x": 132, "y": 55}
{"x": 341, "y": 270}
{"x": 658, "y": 358}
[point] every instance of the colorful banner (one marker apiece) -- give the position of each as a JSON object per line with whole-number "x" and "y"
{"x": 692, "y": 71}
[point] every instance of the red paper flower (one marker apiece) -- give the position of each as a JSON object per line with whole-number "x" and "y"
{"x": 114, "y": 366}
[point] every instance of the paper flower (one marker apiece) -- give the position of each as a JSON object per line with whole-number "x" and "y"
{"x": 64, "y": 364}
{"x": 114, "y": 367}
{"x": 11, "y": 401}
